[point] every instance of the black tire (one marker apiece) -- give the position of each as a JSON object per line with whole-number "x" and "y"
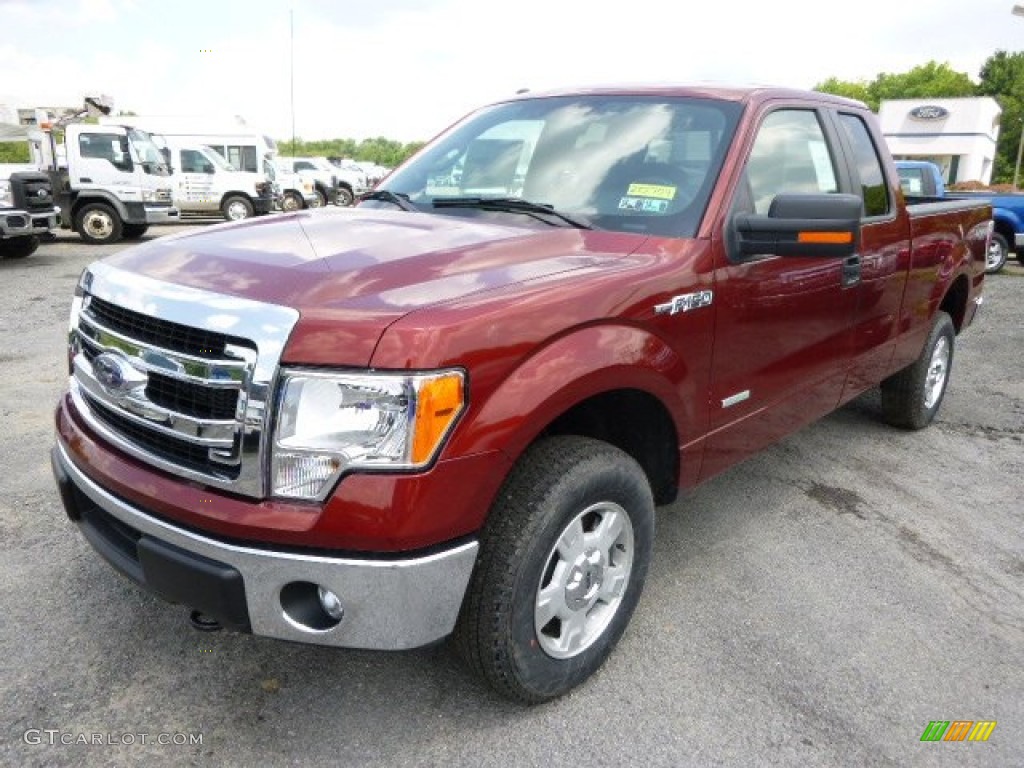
{"x": 134, "y": 231}
{"x": 98, "y": 223}
{"x": 236, "y": 208}
{"x": 998, "y": 251}
{"x": 911, "y": 398}
{"x": 345, "y": 197}
{"x": 18, "y": 247}
{"x": 291, "y": 202}
{"x": 532, "y": 566}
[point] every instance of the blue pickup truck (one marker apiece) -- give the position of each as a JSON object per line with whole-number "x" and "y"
{"x": 922, "y": 180}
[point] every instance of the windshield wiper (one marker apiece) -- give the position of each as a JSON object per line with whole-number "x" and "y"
{"x": 395, "y": 198}
{"x": 513, "y": 204}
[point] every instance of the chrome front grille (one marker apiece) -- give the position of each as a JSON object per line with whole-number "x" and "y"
{"x": 178, "y": 377}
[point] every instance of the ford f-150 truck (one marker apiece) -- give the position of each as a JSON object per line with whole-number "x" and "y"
{"x": 452, "y": 409}
{"x": 922, "y": 180}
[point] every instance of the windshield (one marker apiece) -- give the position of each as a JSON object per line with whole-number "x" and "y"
{"x": 215, "y": 158}
{"x": 628, "y": 163}
{"x": 145, "y": 152}
{"x": 268, "y": 166}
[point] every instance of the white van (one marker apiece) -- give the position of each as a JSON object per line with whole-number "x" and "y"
{"x": 204, "y": 183}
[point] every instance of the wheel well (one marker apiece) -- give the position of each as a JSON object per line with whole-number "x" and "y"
{"x": 235, "y": 193}
{"x": 1004, "y": 229}
{"x": 635, "y": 422}
{"x": 954, "y": 303}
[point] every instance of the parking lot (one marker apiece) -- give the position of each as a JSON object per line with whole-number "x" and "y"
{"x": 818, "y": 605}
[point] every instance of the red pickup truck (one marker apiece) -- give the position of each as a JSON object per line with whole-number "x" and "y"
{"x": 453, "y": 409}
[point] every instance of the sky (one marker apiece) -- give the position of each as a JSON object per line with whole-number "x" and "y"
{"x": 406, "y": 69}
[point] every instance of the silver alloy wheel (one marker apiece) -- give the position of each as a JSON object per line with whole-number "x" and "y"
{"x": 995, "y": 255}
{"x": 584, "y": 579}
{"x": 290, "y": 202}
{"x": 99, "y": 224}
{"x": 938, "y": 369}
{"x": 237, "y": 211}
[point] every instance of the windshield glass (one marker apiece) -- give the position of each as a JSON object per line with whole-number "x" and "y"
{"x": 628, "y": 163}
{"x": 216, "y": 159}
{"x": 268, "y": 167}
{"x": 145, "y": 152}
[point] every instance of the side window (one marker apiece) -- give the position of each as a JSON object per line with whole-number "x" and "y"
{"x": 790, "y": 154}
{"x": 106, "y": 146}
{"x": 191, "y": 161}
{"x": 873, "y": 188}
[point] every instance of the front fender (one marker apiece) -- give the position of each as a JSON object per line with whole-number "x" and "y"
{"x": 1007, "y": 220}
{"x": 568, "y": 370}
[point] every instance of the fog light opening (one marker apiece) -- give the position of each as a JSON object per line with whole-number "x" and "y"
{"x": 311, "y": 607}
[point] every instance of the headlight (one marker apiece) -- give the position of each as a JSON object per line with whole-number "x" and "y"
{"x": 148, "y": 195}
{"x": 327, "y": 423}
{"x": 6, "y": 196}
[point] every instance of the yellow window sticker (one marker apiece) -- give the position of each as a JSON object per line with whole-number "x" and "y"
{"x": 658, "y": 191}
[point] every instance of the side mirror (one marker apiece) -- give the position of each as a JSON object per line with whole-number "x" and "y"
{"x": 821, "y": 225}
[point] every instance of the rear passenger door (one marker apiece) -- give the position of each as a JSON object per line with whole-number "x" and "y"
{"x": 781, "y": 346}
{"x": 884, "y": 255}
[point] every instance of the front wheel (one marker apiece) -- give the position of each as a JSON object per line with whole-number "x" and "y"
{"x": 18, "y": 247}
{"x": 562, "y": 563}
{"x": 911, "y": 398}
{"x": 236, "y": 208}
{"x": 345, "y": 196}
{"x": 98, "y": 223}
{"x": 998, "y": 251}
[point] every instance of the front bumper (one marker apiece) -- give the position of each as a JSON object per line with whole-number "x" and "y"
{"x": 16, "y": 223}
{"x": 159, "y": 214}
{"x": 389, "y": 604}
{"x": 263, "y": 204}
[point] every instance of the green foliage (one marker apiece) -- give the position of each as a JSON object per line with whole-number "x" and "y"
{"x": 1002, "y": 78}
{"x": 377, "y": 150}
{"x": 932, "y": 80}
{"x": 859, "y": 90}
{"x": 14, "y": 152}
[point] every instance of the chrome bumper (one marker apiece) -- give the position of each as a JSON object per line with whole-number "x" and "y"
{"x": 388, "y": 604}
{"x": 16, "y": 223}
{"x": 161, "y": 214}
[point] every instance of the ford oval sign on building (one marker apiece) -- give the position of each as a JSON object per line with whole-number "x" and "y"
{"x": 929, "y": 113}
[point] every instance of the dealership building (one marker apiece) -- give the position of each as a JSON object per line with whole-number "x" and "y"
{"x": 958, "y": 135}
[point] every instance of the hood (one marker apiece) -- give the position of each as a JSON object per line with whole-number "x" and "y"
{"x": 352, "y": 272}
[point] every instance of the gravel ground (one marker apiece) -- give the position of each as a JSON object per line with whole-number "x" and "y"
{"x": 815, "y": 606}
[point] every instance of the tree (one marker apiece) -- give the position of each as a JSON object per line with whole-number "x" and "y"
{"x": 1002, "y": 78}
{"x": 931, "y": 80}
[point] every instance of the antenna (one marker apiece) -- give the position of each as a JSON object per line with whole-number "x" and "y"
{"x": 291, "y": 35}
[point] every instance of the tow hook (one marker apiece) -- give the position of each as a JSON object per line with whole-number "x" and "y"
{"x": 203, "y": 623}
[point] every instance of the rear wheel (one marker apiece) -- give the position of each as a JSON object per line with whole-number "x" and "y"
{"x": 18, "y": 247}
{"x": 236, "y": 208}
{"x": 98, "y": 223}
{"x": 563, "y": 560}
{"x": 291, "y": 201}
{"x": 998, "y": 251}
{"x": 911, "y": 398}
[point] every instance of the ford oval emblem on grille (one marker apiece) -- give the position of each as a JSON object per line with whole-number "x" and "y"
{"x": 42, "y": 193}
{"x": 116, "y": 374}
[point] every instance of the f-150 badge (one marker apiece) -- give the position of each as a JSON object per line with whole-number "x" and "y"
{"x": 685, "y": 303}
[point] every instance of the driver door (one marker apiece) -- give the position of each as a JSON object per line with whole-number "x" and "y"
{"x": 782, "y": 337}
